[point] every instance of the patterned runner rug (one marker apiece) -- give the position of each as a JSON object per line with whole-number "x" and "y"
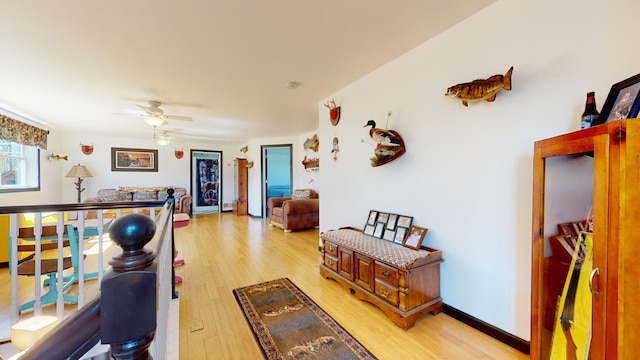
{"x": 289, "y": 325}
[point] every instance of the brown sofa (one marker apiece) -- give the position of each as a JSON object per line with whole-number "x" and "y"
{"x": 182, "y": 205}
{"x": 301, "y": 211}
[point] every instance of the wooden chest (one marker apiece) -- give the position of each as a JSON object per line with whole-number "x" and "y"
{"x": 402, "y": 282}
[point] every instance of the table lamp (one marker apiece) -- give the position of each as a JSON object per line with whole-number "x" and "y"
{"x": 80, "y": 172}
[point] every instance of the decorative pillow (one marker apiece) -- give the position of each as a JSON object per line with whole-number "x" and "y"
{"x": 145, "y": 195}
{"x": 301, "y": 194}
{"x": 125, "y": 196}
{"x": 162, "y": 195}
{"x": 107, "y": 192}
{"x": 110, "y": 198}
{"x": 112, "y": 195}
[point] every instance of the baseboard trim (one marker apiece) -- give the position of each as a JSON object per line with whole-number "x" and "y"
{"x": 498, "y": 334}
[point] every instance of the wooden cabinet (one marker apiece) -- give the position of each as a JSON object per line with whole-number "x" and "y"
{"x": 345, "y": 263}
{"x": 240, "y": 174}
{"x": 614, "y": 150}
{"x": 363, "y": 271}
{"x": 404, "y": 294}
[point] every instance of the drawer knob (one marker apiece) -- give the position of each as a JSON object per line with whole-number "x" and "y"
{"x": 385, "y": 273}
{"x": 331, "y": 248}
{"x": 385, "y": 292}
{"x": 330, "y": 262}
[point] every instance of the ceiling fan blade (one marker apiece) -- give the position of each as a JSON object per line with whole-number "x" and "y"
{"x": 147, "y": 109}
{"x": 129, "y": 114}
{"x": 178, "y": 117}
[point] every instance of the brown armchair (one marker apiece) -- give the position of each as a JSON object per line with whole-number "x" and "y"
{"x": 293, "y": 214}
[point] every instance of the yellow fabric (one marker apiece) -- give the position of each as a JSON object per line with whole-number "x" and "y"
{"x": 580, "y": 329}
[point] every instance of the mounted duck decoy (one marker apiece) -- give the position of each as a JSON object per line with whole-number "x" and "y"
{"x": 390, "y": 145}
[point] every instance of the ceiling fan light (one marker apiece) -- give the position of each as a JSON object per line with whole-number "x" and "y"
{"x": 163, "y": 141}
{"x": 154, "y": 121}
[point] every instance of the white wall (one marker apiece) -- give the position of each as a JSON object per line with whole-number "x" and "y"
{"x": 467, "y": 172}
{"x": 171, "y": 171}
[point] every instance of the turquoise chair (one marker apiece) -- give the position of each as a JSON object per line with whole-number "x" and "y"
{"x": 75, "y": 254}
{"x": 48, "y": 267}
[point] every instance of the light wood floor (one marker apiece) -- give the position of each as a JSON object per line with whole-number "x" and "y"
{"x": 223, "y": 252}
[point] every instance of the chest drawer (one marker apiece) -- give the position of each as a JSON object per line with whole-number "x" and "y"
{"x": 386, "y": 292}
{"x": 331, "y": 262}
{"x": 330, "y": 249}
{"x": 387, "y": 274}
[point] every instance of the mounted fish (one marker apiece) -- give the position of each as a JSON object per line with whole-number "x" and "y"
{"x": 312, "y": 143}
{"x": 58, "y": 157}
{"x": 479, "y": 90}
{"x": 390, "y": 145}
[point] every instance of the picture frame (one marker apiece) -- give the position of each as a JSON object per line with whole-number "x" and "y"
{"x": 378, "y": 230}
{"x": 368, "y": 230}
{"x": 128, "y": 159}
{"x": 405, "y": 221}
{"x": 622, "y": 102}
{"x": 401, "y": 233}
{"x": 391, "y": 223}
{"x": 415, "y": 237}
{"x": 389, "y": 235}
{"x": 373, "y": 215}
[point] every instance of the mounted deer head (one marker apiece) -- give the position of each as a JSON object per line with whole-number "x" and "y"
{"x": 334, "y": 112}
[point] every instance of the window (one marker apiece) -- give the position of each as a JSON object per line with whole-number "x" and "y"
{"x": 19, "y": 166}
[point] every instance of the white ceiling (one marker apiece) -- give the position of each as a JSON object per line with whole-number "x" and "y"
{"x": 71, "y": 65}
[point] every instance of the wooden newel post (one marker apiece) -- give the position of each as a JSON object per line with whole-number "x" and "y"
{"x": 128, "y": 291}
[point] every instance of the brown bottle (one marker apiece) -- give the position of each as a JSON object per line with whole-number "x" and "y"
{"x": 590, "y": 114}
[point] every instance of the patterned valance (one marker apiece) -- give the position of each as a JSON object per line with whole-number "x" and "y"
{"x": 21, "y": 133}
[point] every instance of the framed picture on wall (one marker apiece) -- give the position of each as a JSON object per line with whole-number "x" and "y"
{"x": 124, "y": 159}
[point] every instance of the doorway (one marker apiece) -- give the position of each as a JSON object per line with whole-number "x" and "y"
{"x": 206, "y": 173}
{"x": 276, "y": 173}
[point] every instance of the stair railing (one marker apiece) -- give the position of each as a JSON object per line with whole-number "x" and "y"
{"x": 143, "y": 271}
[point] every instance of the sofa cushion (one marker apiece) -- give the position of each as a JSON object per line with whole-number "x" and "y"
{"x": 113, "y": 195}
{"x": 145, "y": 195}
{"x": 301, "y": 194}
{"x": 277, "y": 211}
{"x": 178, "y": 192}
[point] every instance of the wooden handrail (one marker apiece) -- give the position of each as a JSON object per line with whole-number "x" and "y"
{"x": 124, "y": 314}
{"x": 16, "y": 209}
{"x": 72, "y": 338}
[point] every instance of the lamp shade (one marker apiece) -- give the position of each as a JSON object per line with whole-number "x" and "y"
{"x": 163, "y": 141}
{"x": 155, "y": 121}
{"x": 78, "y": 171}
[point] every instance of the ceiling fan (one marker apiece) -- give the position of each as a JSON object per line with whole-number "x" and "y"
{"x": 155, "y": 116}
{"x": 162, "y": 137}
